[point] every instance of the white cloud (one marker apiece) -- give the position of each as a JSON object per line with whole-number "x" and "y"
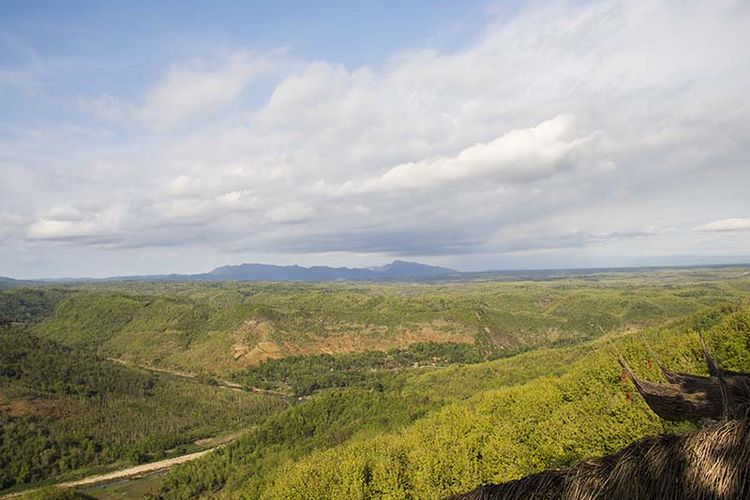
{"x": 67, "y": 223}
{"x": 188, "y": 91}
{"x": 184, "y": 186}
{"x": 10, "y": 225}
{"x": 733, "y": 224}
{"x": 567, "y": 125}
{"x": 194, "y": 90}
{"x": 291, "y": 213}
{"x": 519, "y": 155}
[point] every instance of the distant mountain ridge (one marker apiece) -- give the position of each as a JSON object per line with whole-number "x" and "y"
{"x": 266, "y": 272}
{"x": 10, "y": 282}
{"x": 396, "y": 270}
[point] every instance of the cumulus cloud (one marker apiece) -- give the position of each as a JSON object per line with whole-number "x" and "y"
{"x": 291, "y": 213}
{"x": 65, "y": 223}
{"x": 519, "y": 155}
{"x": 733, "y": 224}
{"x": 187, "y": 91}
{"x": 593, "y": 127}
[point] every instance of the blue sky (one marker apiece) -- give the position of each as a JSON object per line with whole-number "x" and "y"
{"x": 119, "y": 46}
{"x": 149, "y": 137}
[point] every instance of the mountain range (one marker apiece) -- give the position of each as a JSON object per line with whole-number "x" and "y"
{"x": 398, "y": 269}
{"x": 264, "y": 272}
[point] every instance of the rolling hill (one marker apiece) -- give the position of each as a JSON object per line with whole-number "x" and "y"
{"x": 377, "y": 370}
{"x": 433, "y": 433}
{"x": 223, "y": 329}
{"x": 65, "y": 411}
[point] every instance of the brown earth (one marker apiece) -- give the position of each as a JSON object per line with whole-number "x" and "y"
{"x": 257, "y": 340}
{"x": 20, "y": 407}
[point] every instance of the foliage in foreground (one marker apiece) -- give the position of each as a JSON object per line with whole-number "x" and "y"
{"x": 501, "y": 435}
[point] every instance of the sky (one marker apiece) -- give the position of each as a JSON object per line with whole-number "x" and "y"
{"x": 176, "y": 136}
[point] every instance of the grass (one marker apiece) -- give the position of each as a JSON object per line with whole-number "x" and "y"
{"x": 133, "y": 488}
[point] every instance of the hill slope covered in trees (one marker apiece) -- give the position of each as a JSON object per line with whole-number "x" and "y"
{"x": 65, "y": 412}
{"x": 225, "y": 329}
{"x": 470, "y": 425}
{"x": 449, "y": 385}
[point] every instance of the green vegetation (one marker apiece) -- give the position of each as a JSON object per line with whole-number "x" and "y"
{"x": 547, "y": 408}
{"x": 28, "y": 305}
{"x": 223, "y": 329}
{"x": 402, "y": 390}
{"x": 52, "y": 493}
{"x": 64, "y": 410}
{"x": 304, "y": 375}
{"x": 325, "y": 421}
{"x": 144, "y": 487}
{"x": 47, "y": 367}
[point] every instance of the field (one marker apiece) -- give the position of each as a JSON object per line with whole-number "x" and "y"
{"x": 394, "y": 390}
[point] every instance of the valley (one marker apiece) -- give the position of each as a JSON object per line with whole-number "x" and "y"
{"x": 424, "y": 250}
{"x": 367, "y": 390}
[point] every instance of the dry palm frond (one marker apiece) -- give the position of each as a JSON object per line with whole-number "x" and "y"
{"x": 710, "y": 464}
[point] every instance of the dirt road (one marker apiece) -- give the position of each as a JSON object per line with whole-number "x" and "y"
{"x": 132, "y": 472}
{"x": 129, "y": 473}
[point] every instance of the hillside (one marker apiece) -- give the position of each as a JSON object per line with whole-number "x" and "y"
{"x": 65, "y": 411}
{"x": 224, "y": 329}
{"x": 10, "y": 282}
{"x": 447, "y": 431}
{"x": 504, "y": 378}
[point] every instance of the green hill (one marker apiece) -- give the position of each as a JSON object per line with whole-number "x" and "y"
{"x": 468, "y": 425}
{"x": 405, "y": 390}
{"x": 65, "y": 412}
{"x": 224, "y": 329}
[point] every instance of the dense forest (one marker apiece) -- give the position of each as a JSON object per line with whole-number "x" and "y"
{"x": 304, "y": 375}
{"x": 396, "y": 391}
{"x": 548, "y": 409}
{"x": 64, "y": 410}
{"x": 223, "y": 329}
